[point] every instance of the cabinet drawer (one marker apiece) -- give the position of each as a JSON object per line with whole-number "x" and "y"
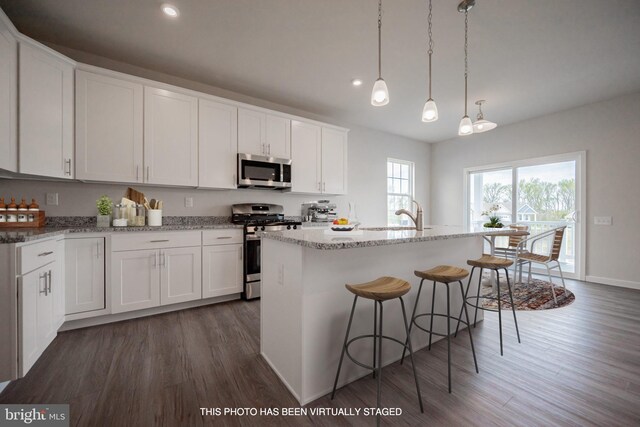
{"x": 226, "y": 236}
{"x": 36, "y": 255}
{"x": 150, "y": 240}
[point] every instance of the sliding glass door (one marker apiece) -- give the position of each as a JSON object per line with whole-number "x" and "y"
{"x": 542, "y": 193}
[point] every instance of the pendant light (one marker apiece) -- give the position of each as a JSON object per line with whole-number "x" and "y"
{"x": 466, "y": 127}
{"x": 430, "y": 110}
{"x": 380, "y": 93}
{"x": 482, "y": 125}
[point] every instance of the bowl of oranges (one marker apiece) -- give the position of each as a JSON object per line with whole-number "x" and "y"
{"x": 342, "y": 224}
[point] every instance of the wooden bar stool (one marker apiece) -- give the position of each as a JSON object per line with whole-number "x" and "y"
{"x": 490, "y": 262}
{"x": 444, "y": 274}
{"x": 379, "y": 290}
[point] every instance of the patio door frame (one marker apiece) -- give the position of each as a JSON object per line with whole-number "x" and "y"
{"x": 580, "y": 157}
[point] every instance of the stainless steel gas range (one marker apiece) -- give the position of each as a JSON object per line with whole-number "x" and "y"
{"x": 257, "y": 217}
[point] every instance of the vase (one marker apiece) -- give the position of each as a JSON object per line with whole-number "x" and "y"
{"x": 103, "y": 220}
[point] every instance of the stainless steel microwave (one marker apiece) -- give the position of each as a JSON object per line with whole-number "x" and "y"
{"x": 263, "y": 172}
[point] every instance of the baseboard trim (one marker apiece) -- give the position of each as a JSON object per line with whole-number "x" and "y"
{"x": 614, "y": 282}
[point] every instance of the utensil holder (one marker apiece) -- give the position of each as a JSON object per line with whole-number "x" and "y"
{"x": 154, "y": 217}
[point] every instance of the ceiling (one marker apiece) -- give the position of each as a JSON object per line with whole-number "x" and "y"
{"x": 526, "y": 58}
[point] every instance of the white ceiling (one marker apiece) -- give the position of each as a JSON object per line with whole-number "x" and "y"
{"x": 527, "y": 58}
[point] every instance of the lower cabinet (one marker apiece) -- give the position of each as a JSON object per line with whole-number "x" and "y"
{"x": 148, "y": 278}
{"x": 221, "y": 270}
{"x": 180, "y": 275}
{"x": 37, "y": 314}
{"x": 84, "y": 275}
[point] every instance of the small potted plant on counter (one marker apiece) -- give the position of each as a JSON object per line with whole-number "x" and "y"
{"x": 494, "y": 220}
{"x": 105, "y": 207}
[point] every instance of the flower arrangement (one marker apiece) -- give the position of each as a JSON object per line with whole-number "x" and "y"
{"x": 494, "y": 220}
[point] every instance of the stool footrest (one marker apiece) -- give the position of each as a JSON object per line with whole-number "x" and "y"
{"x": 369, "y": 336}
{"x": 439, "y": 315}
{"x": 478, "y": 306}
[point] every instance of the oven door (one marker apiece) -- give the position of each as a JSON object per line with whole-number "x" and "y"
{"x": 252, "y": 258}
{"x": 263, "y": 172}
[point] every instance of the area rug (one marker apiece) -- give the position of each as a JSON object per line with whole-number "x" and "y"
{"x": 534, "y": 296}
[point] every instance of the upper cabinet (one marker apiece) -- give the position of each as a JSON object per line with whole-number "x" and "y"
{"x": 46, "y": 112}
{"x": 109, "y": 123}
{"x": 170, "y": 137}
{"x": 8, "y": 96}
{"x": 218, "y": 143}
{"x": 334, "y": 161}
{"x": 264, "y": 134}
{"x": 319, "y": 159}
{"x": 306, "y": 152}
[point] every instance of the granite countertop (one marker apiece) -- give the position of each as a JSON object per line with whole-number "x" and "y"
{"x": 20, "y": 235}
{"x": 376, "y": 236}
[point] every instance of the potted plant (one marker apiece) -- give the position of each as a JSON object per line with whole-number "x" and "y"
{"x": 494, "y": 220}
{"x": 105, "y": 207}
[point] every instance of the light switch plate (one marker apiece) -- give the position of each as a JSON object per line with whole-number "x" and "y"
{"x": 602, "y": 220}
{"x": 52, "y": 199}
{"x": 188, "y": 202}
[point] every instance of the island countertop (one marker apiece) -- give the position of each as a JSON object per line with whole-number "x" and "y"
{"x": 377, "y": 236}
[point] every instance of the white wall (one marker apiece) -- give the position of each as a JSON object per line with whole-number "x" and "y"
{"x": 368, "y": 151}
{"x": 610, "y": 133}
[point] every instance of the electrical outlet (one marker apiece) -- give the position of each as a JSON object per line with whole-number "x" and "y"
{"x": 281, "y": 274}
{"x": 188, "y": 202}
{"x": 602, "y": 220}
{"x": 52, "y": 199}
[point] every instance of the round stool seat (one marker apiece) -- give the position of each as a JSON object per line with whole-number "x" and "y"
{"x": 443, "y": 274}
{"x": 489, "y": 261}
{"x": 381, "y": 289}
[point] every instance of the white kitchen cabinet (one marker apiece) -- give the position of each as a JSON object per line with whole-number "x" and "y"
{"x": 319, "y": 159}
{"x": 334, "y": 161}
{"x": 46, "y": 112}
{"x": 180, "y": 275}
{"x": 170, "y": 137}
{"x": 8, "y": 96}
{"x": 109, "y": 125}
{"x": 264, "y": 134}
{"x": 57, "y": 287}
{"x": 221, "y": 270}
{"x": 306, "y": 155}
{"x": 218, "y": 143}
{"x": 84, "y": 275}
{"x": 135, "y": 280}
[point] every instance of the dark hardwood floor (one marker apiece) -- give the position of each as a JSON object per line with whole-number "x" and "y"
{"x": 576, "y": 366}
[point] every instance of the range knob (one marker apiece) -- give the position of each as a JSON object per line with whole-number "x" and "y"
{"x": 263, "y": 228}
{"x": 295, "y": 227}
{"x": 289, "y": 227}
{"x": 255, "y": 228}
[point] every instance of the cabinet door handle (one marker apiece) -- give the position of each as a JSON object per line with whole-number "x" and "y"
{"x": 45, "y": 253}
{"x": 223, "y": 237}
{"x": 155, "y": 260}
{"x": 264, "y": 151}
{"x": 324, "y": 186}
{"x": 43, "y": 276}
{"x": 158, "y": 241}
{"x": 49, "y": 280}
{"x": 269, "y": 149}
{"x": 67, "y": 163}
{"x": 163, "y": 259}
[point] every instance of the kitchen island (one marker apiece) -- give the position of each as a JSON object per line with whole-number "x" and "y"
{"x": 305, "y": 306}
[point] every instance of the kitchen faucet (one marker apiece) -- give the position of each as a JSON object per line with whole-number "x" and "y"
{"x": 417, "y": 219}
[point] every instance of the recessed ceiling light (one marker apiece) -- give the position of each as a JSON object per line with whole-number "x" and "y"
{"x": 356, "y": 82}
{"x": 170, "y": 10}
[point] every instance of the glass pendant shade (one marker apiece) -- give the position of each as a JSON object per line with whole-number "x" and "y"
{"x": 380, "y": 93}
{"x": 466, "y": 127}
{"x": 480, "y": 126}
{"x": 430, "y": 111}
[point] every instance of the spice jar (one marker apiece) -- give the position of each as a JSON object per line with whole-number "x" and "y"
{"x": 12, "y": 211}
{"x": 34, "y": 211}
{"x": 23, "y": 213}
{"x": 3, "y": 210}
{"x": 138, "y": 220}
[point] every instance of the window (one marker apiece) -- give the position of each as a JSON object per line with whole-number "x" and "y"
{"x": 400, "y": 191}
